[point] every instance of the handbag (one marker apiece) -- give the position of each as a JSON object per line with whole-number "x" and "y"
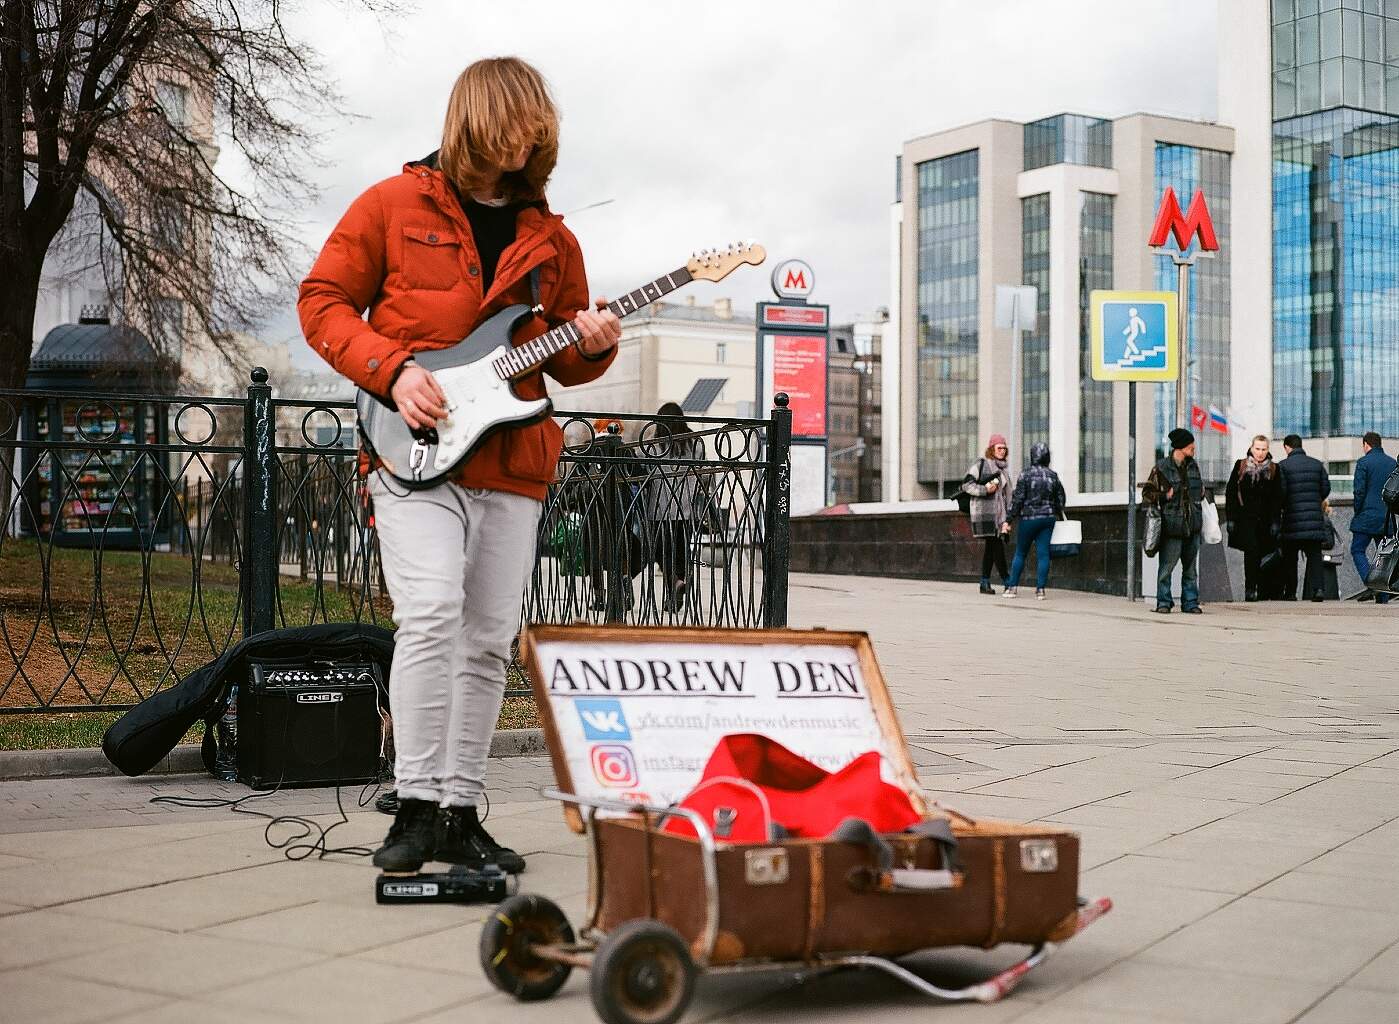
{"x": 1389, "y": 491}
{"x": 1210, "y": 532}
{"x": 1064, "y": 542}
{"x": 1384, "y": 568}
{"x": 1332, "y": 540}
{"x": 1151, "y": 538}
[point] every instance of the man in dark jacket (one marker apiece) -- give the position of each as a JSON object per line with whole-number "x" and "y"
{"x": 1176, "y": 489}
{"x": 1372, "y": 520}
{"x": 1305, "y": 486}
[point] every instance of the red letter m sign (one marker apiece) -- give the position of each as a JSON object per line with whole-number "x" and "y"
{"x": 795, "y": 279}
{"x": 1196, "y": 220}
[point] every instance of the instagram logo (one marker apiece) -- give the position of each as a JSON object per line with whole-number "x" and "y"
{"x": 613, "y": 765}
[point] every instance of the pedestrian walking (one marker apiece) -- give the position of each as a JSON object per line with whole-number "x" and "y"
{"x": 987, "y": 484}
{"x": 1253, "y": 510}
{"x": 1305, "y": 486}
{"x": 1037, "y": 502}
{"x": 1174, "y": 486}
{"x": 1371, "y": 521}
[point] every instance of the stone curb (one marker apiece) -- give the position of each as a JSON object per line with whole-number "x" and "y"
{"x": 58, "y": 764}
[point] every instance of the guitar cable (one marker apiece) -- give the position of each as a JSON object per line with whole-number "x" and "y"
{"x": 305, "y": 827}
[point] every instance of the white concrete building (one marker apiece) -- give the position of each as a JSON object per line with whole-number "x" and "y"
{"x": 699, "y": 356}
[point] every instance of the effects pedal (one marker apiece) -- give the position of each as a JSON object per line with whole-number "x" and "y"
{"x": 457, "y": 885}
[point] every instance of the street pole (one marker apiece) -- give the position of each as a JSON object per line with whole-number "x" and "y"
{"x": 1183, "y": 334}
{"x": 1015, "y": 384}
{"x": 1131, "y": 490}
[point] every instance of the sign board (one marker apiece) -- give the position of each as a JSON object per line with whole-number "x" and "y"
{"x": 1017, "y": 304}
{"x": 634, "y": 713}
{"x": 796, "y": 364}
{"x": 795, "y": 316}
{"x": 1134, "y": 336}
{"x": 793, "y": 279}
{"x": 1196, "y": 221}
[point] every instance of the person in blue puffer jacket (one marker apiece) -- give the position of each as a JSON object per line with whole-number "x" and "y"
{"x": 1037, "y": 502}
{"x": 1372, "y": 521}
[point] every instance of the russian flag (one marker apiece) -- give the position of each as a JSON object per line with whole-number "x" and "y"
{"x": 1218, "y": 421}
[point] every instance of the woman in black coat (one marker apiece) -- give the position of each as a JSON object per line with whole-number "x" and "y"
{"x": 1253, "y": 508}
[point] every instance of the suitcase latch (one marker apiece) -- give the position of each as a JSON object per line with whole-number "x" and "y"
{"x": 1039, "y": 856}
{"x": 765, "y": 867}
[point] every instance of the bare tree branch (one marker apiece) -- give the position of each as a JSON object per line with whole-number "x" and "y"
{"x": 172, "y": 141}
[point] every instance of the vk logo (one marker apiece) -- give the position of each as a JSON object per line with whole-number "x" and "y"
{"x": 603, "y": 720}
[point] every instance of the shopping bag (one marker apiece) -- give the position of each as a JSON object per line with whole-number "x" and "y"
{"x": 1385, "y": 568}
{"x": 1151, "y": 541}
{"x": 1210, "y": 532}
{"x": 1066, "y": 538}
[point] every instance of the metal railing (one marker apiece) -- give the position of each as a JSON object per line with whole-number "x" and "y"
{"x": 144, "y": 534}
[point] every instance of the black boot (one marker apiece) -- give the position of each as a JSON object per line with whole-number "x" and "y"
{"x": 462, "y": 839}
{"x": 986, "y": 587}
{"x": 410, "y": 840}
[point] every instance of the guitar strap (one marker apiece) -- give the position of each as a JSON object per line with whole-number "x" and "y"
{"x": 534, "y": 289}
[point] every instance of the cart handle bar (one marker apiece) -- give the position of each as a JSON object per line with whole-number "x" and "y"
{"x": 710, "y": 935}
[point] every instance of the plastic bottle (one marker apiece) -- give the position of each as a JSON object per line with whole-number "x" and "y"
{"x": 226, "y": 763}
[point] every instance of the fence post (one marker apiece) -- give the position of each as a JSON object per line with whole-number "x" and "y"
{"x": 259, "y": 571}
{"x": 777, "y": 527}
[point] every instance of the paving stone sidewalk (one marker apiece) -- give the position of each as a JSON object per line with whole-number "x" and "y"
{"x": 1234, "y": 776}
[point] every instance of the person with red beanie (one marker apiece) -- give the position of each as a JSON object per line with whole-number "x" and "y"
{"x": 988, "y": 484}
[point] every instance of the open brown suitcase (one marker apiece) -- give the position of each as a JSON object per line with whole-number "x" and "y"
{"x": 663, "y": 906}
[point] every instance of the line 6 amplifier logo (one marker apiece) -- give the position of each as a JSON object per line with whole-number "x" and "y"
{"x": 320, "y": 697}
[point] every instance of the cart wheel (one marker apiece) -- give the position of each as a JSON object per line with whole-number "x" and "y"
{"x": 642, "y": 974}
{"x": 506, "y": 937}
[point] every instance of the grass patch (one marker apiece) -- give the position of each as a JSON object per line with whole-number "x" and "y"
{"x": 112, "y": 627}
{"x": 66, "y": 731}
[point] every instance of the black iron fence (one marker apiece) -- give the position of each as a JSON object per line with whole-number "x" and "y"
{"x": 144, "y": 534}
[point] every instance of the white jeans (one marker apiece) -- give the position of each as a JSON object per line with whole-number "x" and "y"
{"x": 456, "y": 562}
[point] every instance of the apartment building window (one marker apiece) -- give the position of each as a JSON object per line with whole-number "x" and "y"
{"x": 173, "y": 101}
{"x": 721, "y": 350}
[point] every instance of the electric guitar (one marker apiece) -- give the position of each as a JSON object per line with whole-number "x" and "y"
{"x": 477, "y": 377}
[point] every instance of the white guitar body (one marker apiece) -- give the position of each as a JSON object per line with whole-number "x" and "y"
{"x": 479, "y": 402}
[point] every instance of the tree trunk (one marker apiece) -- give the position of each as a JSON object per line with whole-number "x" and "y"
{"x": 18, "y": 298}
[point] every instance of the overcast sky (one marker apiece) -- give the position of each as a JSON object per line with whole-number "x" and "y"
{"x": 777, "y": 121}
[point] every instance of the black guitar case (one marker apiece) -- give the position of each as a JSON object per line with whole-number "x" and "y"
{"x": 136, "y": 742}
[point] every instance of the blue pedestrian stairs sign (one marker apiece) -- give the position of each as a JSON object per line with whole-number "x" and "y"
{"x": 1134, "y": 336}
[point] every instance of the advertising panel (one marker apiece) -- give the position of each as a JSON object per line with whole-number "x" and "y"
{"x": 796, "y": 364}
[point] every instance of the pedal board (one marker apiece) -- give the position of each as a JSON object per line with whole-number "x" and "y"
{"x": 457, "y": 885}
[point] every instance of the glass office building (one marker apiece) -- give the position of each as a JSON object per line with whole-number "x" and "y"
{"x": 1095, "y": 396}
{"x": 1185, "y": 169}
{"x": 1068, "y": 139}
{"x": 947, "y": 308}
{"x": 1335, "y": 217}
{"x": 1034, "y": 367}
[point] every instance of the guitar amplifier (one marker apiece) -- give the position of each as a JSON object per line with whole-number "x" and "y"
{"x": 309, "y": 724}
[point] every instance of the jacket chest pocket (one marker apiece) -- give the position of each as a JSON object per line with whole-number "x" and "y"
{"x": 431, "y": 258}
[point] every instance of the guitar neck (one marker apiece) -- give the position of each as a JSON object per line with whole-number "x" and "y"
{"x": 533, "y": 354}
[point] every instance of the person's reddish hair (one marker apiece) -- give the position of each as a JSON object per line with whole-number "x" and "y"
{"x": 498, "y": 106}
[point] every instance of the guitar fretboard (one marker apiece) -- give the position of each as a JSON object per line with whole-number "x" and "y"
{"x": 534, "y": 353}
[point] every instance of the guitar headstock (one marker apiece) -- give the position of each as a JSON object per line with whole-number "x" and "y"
{"x": 717, "y": 264}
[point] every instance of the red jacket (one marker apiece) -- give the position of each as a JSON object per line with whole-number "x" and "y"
{"x": 404, "y": 251}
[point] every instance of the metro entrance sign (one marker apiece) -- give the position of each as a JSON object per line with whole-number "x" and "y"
{"x": 1134, "y": 335}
